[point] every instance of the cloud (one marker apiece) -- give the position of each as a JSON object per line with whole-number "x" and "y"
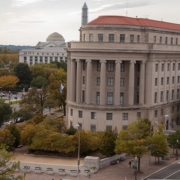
{"x": 20, "y": 3}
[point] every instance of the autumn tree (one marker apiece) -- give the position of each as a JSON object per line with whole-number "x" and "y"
{"x": 55, "y": 80}
{"x": 8, "y": 81}
{"x": 133, "y": 140}
{"x": 39, "y": 82}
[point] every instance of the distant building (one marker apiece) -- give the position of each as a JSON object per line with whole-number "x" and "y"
{"x": 45, "y": 52}
{"x": 121, "y": 69}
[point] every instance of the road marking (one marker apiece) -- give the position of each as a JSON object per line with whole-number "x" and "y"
{"x": 171, "y": 175}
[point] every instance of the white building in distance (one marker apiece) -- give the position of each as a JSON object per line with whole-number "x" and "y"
{"x": 45, "y": 52}
{"x": 121, "y": 69}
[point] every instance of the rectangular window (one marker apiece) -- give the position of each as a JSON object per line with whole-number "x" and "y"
{"x": 80, "y": 114}
{"x": 171, "y": 40}
{"x": 172, "y": 97}
{"x": 156, "y": 67}
{"x": 93, "y": 128}
{"x": 168, "y": 67}
{"x": 178, "y": 80}
{"x": 162, "y": 67}
{"x": 167, "y": 80}
{"x": 177, "y": 121}
{"x": 90, "y": 37}
{"x": 84, "y": 65}
{"x": 122, "y": 37}
{"x": 161, "y": 98}
{"x": 83, "y": 79}
{"x": 121, "y": 98}
{"x": 155, "y": 113}
{"x": 172, "y": 109}
{"x": 93, "y": 115}
{"x": 138, "y": 114}
{"x": 155, "y": 97}
{"x": 160, "y": 40}
{"x": 83, "y": 95}
{"x": 173, "y": 80}
{"x": 162, "y": 81}
{"x": 97, "y": 97}
{"x": 84, "y": 37}
{"x": 56, "y": 58}
{"x": 100, "y": 37}
{"x": 156, "y": 81}
{"x": 131, "y": 38}
{"x": 162, "y": 112}
{"x": 125, "y": 116}
{"x": 110, "y": 81}
{"x": 108, "y": 128}
{"x": 138, "y": 38}
{"x": 110, "y": 66}
{"x": 98, "y": 81}
{"x": 109, "y": 98}
{"x": 71, "y": 112}
{"x": 31, "y": 58}
{"x": 124, "y": 127}
{"x": 154, "y": 39}
{"x": 111, "y": 37}
{"x": 173, "y": 66}
{"x": 109, "y": 116}
{"x": 176, "y": 41}
{"x": 46, "y": 59}
{"x": 98, "y": 66}
{"x": 122, "y": 67}
{"x": 121, "y": 81}
{"x": 177, "y": 108}
{"x": 166, "y": 40}
{"x": 178, "y": 66}
{"x": 177, "y": 93}
{"x": 36, "y": 58}
{"x": 138, "y": 81}
{"x": 167, "y": 95}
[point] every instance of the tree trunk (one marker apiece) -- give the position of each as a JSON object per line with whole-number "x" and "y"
{"x": 139, "y": 164}
{"x": 64, "y": 107}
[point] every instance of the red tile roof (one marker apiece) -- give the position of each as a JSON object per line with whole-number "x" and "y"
{"x": 123, "y": 20}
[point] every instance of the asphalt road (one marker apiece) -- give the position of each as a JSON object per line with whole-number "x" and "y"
{"x": 169, "y": 173}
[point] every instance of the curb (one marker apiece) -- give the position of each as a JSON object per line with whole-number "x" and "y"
{"x": 144, "y": 178}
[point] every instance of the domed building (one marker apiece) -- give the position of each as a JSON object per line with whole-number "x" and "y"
{"x": 45, "y": 52}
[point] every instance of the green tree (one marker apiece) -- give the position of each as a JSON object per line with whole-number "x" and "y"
{"x": 5, "y": 112}
{"x": 23, "y": 72}
{"x": 107, "y": 143}
{"x": 39, "y": 82}
{"x": 172, "y": 139}
{"x": 133, "y": 140}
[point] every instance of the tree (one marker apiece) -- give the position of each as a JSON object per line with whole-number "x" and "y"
{"x": 172, "y": 139}
{"x": 5, "y": 112}
{"x": 55, "y": 80}
{"x": 23, "y": 72}
{"x": 8, "y": 81}
{"x": 39, "y": 82}
{"x": 37, "y": 98}
{"x": 107, "y": 143}
{"x": 8, "y": 172}
{"x": 133, "y": 140}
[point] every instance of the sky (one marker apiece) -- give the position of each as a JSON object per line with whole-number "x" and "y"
{"x": 26, "y": 22}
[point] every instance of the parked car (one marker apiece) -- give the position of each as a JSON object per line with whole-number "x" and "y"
{"x": 2, "y": 95}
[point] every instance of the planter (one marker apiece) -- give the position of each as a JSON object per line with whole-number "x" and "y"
{"x": 87, "y": 172}
{"x": 93, "y": 169}
{"x": 26, "y": 169}
{"x": 38, "y": 170}
{"x": 61, "y": 172}
{"x": 50, "y": 171}
{"x": 73, "y": 172}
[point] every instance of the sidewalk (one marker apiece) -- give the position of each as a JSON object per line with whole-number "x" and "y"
{"x": 112, "y": 172}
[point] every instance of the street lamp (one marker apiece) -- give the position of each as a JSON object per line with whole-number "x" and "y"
{"x": 78, "y": 162}
{"x": 177, "y": 141}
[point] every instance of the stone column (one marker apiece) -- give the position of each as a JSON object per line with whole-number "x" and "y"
{"x": 68, "y": 78}
{"x": 103, "y": 83}
{"x": 165, "y": 81}
{"x": 88, "y": 81}
{"x": 175, "y": 79}
{"x": 131, "y": 83}
{"x": 78, "y": 81}
{"x": 73, "y": 81}
{"x": 159, "y": 83}
{"x": 170, "y": 80}
{"x": 142, "y": 82}
{"x": 117, "y": 83}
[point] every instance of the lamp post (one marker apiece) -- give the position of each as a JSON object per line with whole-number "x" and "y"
{"x": 78, "y": 162}
{"x": 177, "y": 141}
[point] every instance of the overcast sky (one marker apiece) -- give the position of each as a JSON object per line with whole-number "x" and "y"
{"x": 26, "y": 22}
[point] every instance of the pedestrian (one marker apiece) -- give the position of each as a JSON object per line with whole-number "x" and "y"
{"x": 130, "y": 163}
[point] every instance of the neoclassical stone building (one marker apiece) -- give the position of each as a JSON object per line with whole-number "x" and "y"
{"x": 121, "y": 69}
{"x": 45, "y": 52}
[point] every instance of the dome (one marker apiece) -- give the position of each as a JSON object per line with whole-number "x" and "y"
{"x": 55, "y": 37}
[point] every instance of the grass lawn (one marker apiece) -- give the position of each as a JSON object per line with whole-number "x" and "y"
{"x": 2, "y": 100}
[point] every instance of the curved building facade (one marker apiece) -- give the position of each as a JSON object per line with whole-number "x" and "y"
{"x": 45, "y": 52}
{"x": 121, "y": 69}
